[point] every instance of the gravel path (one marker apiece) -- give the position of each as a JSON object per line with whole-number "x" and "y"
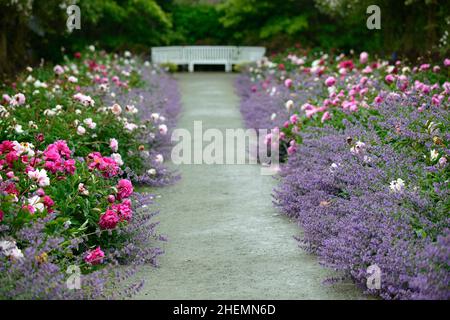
{"x": 226, "y": 240}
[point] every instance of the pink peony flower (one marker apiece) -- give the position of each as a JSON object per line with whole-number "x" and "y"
{"x": 113, "y": 144}
{"x": 293, "y": 119}
{"x": 389, "y": 78}
{"x": 1, "y": 215}
{"x": 291, "y": 150}
{"x": 111, "y": 198}
{"x": 94, "y": 256}
{"x": 363, "y": 57}
{"x": 58, "y": 70}
{"x": 123, "y": 210}
{"x": 107, "y": 166}
{"x": 17, "y": 100}
{"x": 6, "y": 98}
{"x": 330, "y": 81}
{"x": 447, "y": 62}
{"x": 326, "y": 116}
{"x": 48, "y": 203}
{"x": 347, "y": 64}
{"x": 424, "y": 67}
{"x": 378, "y": 99}
{"x": 162, "y": 129}
{"x": 124, "y": 189}
{"x": 108, "y": 220}
{"x": 367, "y": 70}
{"x": 288, "y": 83}
{"x": 57, "y": 158}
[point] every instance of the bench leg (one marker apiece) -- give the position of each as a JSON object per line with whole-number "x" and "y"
{"x": 228, "y": 67}
{"x": 191, "y": 67}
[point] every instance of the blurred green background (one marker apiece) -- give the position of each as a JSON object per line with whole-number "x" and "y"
{"x": 35, "y": 29}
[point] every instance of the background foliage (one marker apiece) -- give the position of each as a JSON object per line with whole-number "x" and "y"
{"x": 32, "y": 29}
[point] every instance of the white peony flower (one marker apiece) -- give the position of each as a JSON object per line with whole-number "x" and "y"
{"x": 159, "y": 158}
{"x": 397, "y": 185}
{"x": 154, "y": 116}
{"x": 24, "y": 148}
{"x": 36, "y": 204}
{"x": 18, "y": 128}
{"x": 333, "y": 167}
{"x": 162, "y": 129}
{"x": 81, "y": 130}
{"x": 117, "y": 158}
{"x": 72, "y": 79}
{"x": 9, "y": 249}
{"x": 359, "y": 147}
{"x": 90, "y": 124}
{"x": 130, "y": 126}
{"x": 131, "y": 109}
{"x": 434, "y": 154}
{"x": 289, "y": 105}
{"x": 40, "y": 176}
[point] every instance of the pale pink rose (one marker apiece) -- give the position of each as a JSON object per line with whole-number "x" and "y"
{"x": 363, "y": 57}
{"x": 288, "y": 83}
{"x": 58, "y": 70}
{"x": 162, "y": 129}
{"x": 116, "y": 109}
{"x": 17, "y": 100}
{"x": 113, "y": 144}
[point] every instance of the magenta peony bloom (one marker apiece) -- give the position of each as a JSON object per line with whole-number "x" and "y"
{"x": 95, "y": 256}
{"x": 107, "y": 166}
{"x": 447, "y": 62}
{"x": 389, "y": 78}
{"x": 294, "y": 119}
{"x": 330, "y": 81}
{"x": 326, "y": 116}
{"x": 108, "y": 220}
{"x": 1, "y": 215}
{"x": 288, "y": 83}
{"x": 124, "y": 189}
{"x": 123, "y": 210}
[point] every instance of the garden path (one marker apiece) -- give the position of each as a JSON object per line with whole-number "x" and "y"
{"x": 226, "y": 240}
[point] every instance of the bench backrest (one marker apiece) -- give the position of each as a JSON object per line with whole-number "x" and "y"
{"x": 205, "y": 54}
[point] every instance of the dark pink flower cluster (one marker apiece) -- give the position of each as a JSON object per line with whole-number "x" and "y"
{"x": 95, "y": 256}
{"x": 124, "y": 189}
{"x": 10, "y": 154}
{"x": 57, "y": 157}
{"x": 118, "y": 211}
{"x": 107, "y": 166}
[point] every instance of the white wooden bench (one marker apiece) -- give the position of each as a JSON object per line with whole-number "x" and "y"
{"x": 195, "y": 55}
